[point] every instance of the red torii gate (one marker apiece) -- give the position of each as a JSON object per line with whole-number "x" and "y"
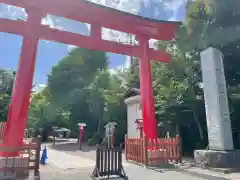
{"x": 97, "y": 16}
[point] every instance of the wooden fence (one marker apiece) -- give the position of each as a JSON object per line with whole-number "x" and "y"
{"x": 109, "y": 163}
{"x": 21, "y": 165}
{"x": 153, "y": 151}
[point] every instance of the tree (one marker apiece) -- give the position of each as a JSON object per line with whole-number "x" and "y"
{"x": 208, "y": 22}
{"x": 115, "y": 108}
{"x": 107, "y": 102}
{"x": 178, "y": 95}
{"x": 77, "y": 69}
{"x": 71, "y": 82}
{"x": 6, "y": 85}
{"x": 96, "y": 98}
{"x": 45, "y": 115}
{"x": 215, "y": 23}
{"x": 82, "y": 87}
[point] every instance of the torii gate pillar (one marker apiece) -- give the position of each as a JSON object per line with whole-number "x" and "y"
{"x": 18, "y": 107}
{"x": 147, "y": 101}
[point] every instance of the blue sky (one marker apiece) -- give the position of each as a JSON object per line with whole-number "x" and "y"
{"x": 49, "y": 53}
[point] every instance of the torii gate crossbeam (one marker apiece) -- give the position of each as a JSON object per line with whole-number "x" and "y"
{"x": 97, "y": 16}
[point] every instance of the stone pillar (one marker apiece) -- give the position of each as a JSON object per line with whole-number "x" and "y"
{"x": 221, "y": 153}
{"x": 216, "y": 100}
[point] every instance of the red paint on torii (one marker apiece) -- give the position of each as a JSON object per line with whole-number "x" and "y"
{"x": 97, "y": 16}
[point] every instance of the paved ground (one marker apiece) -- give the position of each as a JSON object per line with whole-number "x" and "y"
{"x": 65, "y": 161}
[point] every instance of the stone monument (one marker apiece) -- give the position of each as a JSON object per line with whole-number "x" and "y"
{"x": 221, "y": 153}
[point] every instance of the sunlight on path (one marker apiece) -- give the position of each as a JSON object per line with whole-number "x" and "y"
{"x": 64, "y": 160}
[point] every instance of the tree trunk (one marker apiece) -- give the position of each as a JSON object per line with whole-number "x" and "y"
{"x": 100, "y": 114}
{"x": 99, "y": 125}
{"x": 199, "y": 127}
{"x": 190, "y": 74}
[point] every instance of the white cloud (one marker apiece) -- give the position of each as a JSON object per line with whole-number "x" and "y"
{"x": 152, "y": 43}
{"x": 127, "y": 62}
{"x": 12, "y": 12}
{"x": 52, "y": 22}
{"x": 176, "y": 6}
{"x": 70, "y": 47}
{"x": 42, "y": 85}
{"x": 39, "y": 87}
{"x": 130, "y": 6}
{"x": 133, "y": 6}
{"x": 172, "y": 5}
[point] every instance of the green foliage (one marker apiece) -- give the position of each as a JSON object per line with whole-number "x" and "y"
{"x": 212, "y": 23}
{"x": 4, "y": 101}
{"x": 6, "y": 84}
{"x": 96, "y": 139}
{"x": 80, "y": 89}
{"x": 176, "y": 90}
{"x": 78, "y": 69}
